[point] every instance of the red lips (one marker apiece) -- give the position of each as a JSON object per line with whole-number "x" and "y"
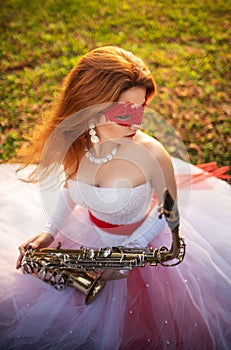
{"x": 131, "y": 135}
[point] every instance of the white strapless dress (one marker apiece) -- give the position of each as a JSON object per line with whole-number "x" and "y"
{"x": 182, "y": 307}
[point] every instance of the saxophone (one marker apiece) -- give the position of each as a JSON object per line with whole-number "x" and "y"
{"x": 80, "y": 268}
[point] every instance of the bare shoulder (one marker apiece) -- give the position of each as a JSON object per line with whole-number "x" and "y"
{"x": 152, "y": 145}
{"x": 160, "y": 166}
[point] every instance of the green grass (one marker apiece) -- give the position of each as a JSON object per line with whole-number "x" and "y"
{"x": 186, "y": 45}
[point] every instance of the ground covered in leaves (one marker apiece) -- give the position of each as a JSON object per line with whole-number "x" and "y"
{"x": 186, "y": 45}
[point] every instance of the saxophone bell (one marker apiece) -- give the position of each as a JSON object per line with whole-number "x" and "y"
{"x": 47, "y": 268}
{"x": 88, "y": 282}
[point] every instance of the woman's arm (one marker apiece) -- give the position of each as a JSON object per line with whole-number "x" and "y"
{"x": 161, "y": 170}
{"x": 162, "y": 176}
{"x": 63, "y": 209}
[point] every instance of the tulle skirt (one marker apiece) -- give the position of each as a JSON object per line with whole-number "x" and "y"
{"x": 182, "y": 307}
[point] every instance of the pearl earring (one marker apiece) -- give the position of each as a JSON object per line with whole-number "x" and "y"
{"x": 94, "y": 138}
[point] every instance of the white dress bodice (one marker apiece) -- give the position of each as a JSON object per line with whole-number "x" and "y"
{"x": 119, "y": 206}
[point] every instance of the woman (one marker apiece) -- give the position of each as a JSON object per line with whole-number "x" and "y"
{"x": 106, "y": 180}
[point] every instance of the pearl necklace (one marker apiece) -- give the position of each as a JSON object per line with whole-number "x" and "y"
{"x": 101, "y": 160}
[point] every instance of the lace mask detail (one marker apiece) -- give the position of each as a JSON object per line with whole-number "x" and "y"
{"x": 125, "y": 113}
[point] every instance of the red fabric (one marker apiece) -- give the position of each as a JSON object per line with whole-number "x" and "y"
{"x": 100, "y": 223}
{"x": 213, "y": 170}
{"x": 208, "y": 170}
{"x": 125, "y": 229}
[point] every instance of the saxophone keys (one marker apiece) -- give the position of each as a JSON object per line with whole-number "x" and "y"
{"x": 106, "y": 252}
{"x": 90, "y": 254}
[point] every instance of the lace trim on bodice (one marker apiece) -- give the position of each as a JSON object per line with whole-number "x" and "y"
{"x": 120, "y": 206}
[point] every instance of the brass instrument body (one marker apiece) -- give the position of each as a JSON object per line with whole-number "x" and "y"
{"x": 81, "y": 268}
{"x": 121, "y": 258}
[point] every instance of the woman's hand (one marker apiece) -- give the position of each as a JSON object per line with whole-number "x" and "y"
{"x": 110, "y": 274}
{"x": 42, "y": 240}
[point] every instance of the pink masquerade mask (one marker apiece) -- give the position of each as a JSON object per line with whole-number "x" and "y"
{"x": 125, "y": 113}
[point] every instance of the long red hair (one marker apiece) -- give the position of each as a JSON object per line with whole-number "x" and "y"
{"x": 99, "y": 77}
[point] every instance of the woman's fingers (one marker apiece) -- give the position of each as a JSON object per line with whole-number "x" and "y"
{"x": 19, "y": 260}
{"x": 114, "y": 274}
{"x": 39, "y": 241}
{"x": 22, "y": 249}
